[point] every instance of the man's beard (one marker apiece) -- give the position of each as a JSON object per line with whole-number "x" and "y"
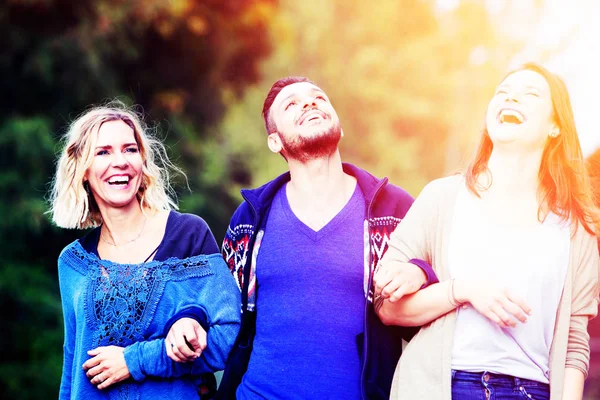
{"x": 305, "y": 149}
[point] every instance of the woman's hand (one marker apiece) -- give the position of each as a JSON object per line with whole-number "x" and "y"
{"x": 496, "y": 303}
{"x": 186, "y": 340}
{"x": 106, "y": 367}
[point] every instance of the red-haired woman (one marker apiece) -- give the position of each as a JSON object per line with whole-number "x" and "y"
{"x": 513, "y": 243}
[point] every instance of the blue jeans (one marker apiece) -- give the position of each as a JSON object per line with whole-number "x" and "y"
{"x": 488, "y": 386}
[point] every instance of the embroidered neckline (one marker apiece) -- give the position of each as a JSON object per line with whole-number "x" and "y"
{"x": 120, "y": 300}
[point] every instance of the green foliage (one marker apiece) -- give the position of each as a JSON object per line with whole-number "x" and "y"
{"x": 58, "y": 57}
{"x": 32, "y": 352}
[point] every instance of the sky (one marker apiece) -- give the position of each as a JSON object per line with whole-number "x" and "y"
{"x": 563, "y": 36}
{"x": 578, "y": 63}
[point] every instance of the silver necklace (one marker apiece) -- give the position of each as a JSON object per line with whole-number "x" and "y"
{"x": 114, "y": 244}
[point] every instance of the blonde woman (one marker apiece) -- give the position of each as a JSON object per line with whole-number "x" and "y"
{"x": 142, "y": 267}
{"x": 513, "y": 243}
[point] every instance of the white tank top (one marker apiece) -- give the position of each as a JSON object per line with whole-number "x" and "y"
{"x": 531, "y": 263}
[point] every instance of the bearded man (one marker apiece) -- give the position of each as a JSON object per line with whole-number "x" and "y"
{"x": 303, "y": 249}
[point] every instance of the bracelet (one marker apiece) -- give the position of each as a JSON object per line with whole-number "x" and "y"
{"x": 451, "y": 297}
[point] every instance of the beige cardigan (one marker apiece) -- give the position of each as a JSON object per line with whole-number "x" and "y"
{"x": 423, "y": 371}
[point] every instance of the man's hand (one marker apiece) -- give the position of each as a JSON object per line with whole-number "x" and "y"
{"x": 106, "y": 367}
{"x": 186, "y": 340}
{"x": 397, "y": 279}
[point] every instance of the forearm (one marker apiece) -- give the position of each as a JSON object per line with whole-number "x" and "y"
{"x": 573, "y": 384}
{"x": 417, "y": 309}
{"x": 220, "y": 341}
{"x": 149, "y": 359}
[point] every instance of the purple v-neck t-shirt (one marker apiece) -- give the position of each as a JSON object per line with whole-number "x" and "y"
{"x": 310, "y": 306}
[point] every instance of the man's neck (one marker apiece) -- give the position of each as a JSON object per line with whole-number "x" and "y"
{"x": 321, "y": 177}
{"x": 319, "y": 189}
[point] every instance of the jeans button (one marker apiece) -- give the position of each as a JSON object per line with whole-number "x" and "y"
{"x": 486, "y": 377}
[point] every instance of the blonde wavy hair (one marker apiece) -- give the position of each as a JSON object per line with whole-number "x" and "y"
{"x": 72, "y": 204}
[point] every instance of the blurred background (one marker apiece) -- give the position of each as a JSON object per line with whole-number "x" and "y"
{"x": 410, "y": 79}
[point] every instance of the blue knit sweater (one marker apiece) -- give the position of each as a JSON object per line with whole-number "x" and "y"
{"x": 134, "y": 305}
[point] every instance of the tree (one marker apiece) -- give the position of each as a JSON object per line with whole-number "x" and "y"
{"x": 175, "y": 59}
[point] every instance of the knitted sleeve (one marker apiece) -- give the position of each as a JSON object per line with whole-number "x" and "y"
{"x": 67, "y": 283}
{"x": 236, "y": 243}
{"x": 584, "y": 305}
{"x": 218, "y": 298}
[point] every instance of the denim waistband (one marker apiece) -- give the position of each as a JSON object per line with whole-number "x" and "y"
{"x": 495, "y": 379}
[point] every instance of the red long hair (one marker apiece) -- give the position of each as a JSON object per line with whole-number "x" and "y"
{"x": 563, "y": 183}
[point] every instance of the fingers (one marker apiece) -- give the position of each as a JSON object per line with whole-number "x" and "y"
{"x": 194, "y": 339}
{"x": 511, "y": 306}
{"x": 388, "y": 281}
{"x": 514, "y": 309}
{"x": 170, "y": 352}
{"x": 107, "y": 367}
{"x": 96, "y": 379}
{"x": 519, "y": 302}
{"x": 99, "y": 375}
{"x": 392, "y": 286}
{"x": 171, "y": 343}
{"x": 169, "y": 346}
{"x": 505, "y": 319}
{"x": 397, "y": 280}
{"x": 398, "y": 287}
{"x": 183, "y": 337}
{"x": 505, "y": 309}
{"x": 380, "y": 280}
{"x": 190, "y": 346}
{"x": 187, "y": 340}
{"x": 402, "y": 291}
{"x": 92, "y": 362}
{"x": 103, "y": 380}
{"x": 182, "y": 349}
{"x": 173, "y": 352}
{"x": 106, "y": 383}
{"x": 92, "y": 372}
{"x": 495, "y": 318}
{"x": 201, "y": 335}
{"x": 96, "y": 351}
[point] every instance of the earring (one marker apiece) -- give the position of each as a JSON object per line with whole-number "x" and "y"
{"x": 554, "y": 132}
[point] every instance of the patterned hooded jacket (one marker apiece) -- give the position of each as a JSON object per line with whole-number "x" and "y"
{"x": 380, "y": 345}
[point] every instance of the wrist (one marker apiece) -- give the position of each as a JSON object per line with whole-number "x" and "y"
{"x": 428, "y": 276}
{"x": 461, "y": 291}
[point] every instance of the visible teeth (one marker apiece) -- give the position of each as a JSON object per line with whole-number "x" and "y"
{"x": 311, "y": 115}
{"x": 119, "y": 180}
{"x": 508, "y": 115}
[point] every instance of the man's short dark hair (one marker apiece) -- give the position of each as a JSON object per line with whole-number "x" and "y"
{"x": 275, "y": 89}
